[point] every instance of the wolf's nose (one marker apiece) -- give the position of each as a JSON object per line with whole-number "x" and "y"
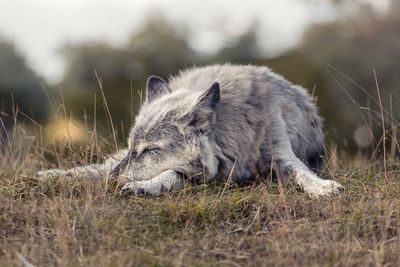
{"x": 124, "y": 190}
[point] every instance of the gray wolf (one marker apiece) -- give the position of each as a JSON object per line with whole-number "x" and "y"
{"x": 219, "y": 122}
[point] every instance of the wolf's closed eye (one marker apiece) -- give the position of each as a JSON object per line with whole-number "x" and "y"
{"x": 148, "y": 150}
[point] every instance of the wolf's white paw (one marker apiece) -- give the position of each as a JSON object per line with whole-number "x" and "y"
{"x": 321, "y": 188}
{"x": 317, "y": 187}
{"x": 143, "y": 188}
{"x": 51, "y": 173}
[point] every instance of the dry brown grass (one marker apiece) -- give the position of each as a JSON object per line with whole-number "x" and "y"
{"x": 76, "y": 222}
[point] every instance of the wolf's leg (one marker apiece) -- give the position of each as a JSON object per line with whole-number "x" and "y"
{"x": 95, "y": 171}
{"x": 292, "y": 167}
{"x": 166, "y": 181}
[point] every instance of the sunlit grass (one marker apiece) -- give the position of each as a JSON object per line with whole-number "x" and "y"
{"x": 78, "y": 222}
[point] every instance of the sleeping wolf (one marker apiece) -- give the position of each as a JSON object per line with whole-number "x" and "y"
{"x": 215, "y": 123}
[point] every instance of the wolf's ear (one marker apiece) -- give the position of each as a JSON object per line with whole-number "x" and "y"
{"x": 210, "y": 99}
{"x": 203, "y": 116}
{"x": 155, "y": 87}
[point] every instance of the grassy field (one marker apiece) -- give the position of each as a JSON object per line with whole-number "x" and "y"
{"x": 77, "y": 222}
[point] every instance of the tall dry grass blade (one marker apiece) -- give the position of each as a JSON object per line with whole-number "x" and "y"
{"x": 370, "y": 125}
{"x": 93, "y": 137}
{"x": 131, "y": 100}
{"x": 383, "y": 126}
{"x": 50, "y": 99}
{"x": 229, "y": 180}
{"x": 394, "y": 144}
{"x": 140, "y": 93}
{"x": 332, "y": 162}
{"x": 107, "y": 109}
{"x": 355, "y": 103}
{"x": 362, "y": 89}
{"x": 66, "y": 117}
{"x": 7, "y": 137}
{"x": 25, "y": 263}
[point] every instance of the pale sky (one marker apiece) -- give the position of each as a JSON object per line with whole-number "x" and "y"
{"x": 40, "y": 27}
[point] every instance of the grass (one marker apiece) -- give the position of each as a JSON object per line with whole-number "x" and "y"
{"x": 78, "y": 222}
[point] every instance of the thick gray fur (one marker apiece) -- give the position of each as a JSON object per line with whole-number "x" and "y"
{"x": 220, "y": 122}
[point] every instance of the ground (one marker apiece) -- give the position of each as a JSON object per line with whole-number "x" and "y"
{"x": 77, "y": 222}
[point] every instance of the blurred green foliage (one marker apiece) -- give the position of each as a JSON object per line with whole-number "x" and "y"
{"x": 122, "y": 72}
{"x": 339, "y": 60}
{"x": 20, "y": 89}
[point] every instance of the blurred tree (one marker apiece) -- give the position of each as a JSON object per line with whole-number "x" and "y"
{"x": 357, "y": 46}
{"x": 157, "y": 48}
{"x": 354, "y": 47}
{"x": 20, "y": 89}
{"x": 243, "y": 50}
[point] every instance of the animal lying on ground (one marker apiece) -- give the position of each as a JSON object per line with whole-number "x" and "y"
{"x": 219, "y": 122}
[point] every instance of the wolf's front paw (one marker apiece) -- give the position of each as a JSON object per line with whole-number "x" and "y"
{"x": 50, "y": 173}
{"x": 142, "y": 188}
{"x": 315, "y": 186}
{"x": 322, "y": 188}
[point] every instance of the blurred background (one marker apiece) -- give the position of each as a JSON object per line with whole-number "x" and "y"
{"x": 69, "y": 68}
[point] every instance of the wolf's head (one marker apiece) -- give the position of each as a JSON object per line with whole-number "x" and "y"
{"x": 172, "y": 131}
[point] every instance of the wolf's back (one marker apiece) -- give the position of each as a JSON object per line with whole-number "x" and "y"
{"x": 251, "y": 99}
